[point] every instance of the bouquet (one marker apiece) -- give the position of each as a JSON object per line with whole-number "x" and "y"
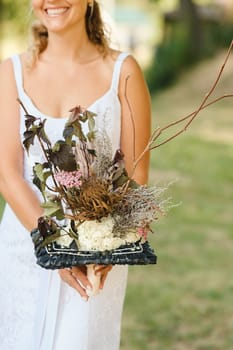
{"x": 94, "y": 213}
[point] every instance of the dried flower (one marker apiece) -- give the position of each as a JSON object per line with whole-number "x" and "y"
{"x": 143, "y": 232}
{"x": 69, "y": 179}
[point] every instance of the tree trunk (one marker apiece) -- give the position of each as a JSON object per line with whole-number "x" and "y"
{"x": 189, "y": 13}
{"x": 1, "y": 27}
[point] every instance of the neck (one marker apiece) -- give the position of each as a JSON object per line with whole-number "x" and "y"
{"x": 72, "y": 45}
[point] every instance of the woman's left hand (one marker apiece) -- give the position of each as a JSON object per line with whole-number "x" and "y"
{"x": 102, "y": 271}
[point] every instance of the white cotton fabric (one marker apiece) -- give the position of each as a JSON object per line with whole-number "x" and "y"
{"x": 37, "y": 310}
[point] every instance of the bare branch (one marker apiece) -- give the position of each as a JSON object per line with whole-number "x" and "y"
{"x": 180, "y": 120}
{"x": 212, "y": 88}
{"x": 190, "y": 117}
{"x": 132, "y": 118}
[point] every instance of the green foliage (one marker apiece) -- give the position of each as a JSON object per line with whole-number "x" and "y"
{"x": 16, "y": 10}
{"x": 2, "y": 204}
{"x": 178, "y": 50}
{"x": 171, "y": 57}
{"x": 53, "y": 208}
{"x": 61, "y": 156}
{"x": 222, "y": 34}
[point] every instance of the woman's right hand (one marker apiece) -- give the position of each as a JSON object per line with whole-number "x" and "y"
{"x": 76, "y": 277}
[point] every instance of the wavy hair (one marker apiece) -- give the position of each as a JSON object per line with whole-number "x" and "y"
{"x": 94, "y": 27}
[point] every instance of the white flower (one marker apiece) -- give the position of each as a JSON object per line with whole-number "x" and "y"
{"x": 64, "y": 240}
{"x": 98, "y": 235}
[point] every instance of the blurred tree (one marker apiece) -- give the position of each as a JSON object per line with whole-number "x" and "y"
{"x": 189, "y": 14}
{"x": 15, "y": 10}
{"x": 14, "y": 19}
{"x": 188, "y": 17}
{"x": 1, "y": 25}
{"x": 191, "y": 32}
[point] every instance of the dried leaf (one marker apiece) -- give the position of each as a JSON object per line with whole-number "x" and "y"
{"x": 48, "y": 230}
{"x": 79, "y": 132}
{"x": 52, "y": 208}
{"x": 62, "y": 157}
{"x": 46, "y": 226}
{"x": 91, "y": 136}
{"x": 29, "y": 137}
{"x": 40, "y": 178}
{"x": 29, "y": 120}
{"x": 75, "y": 114}
{"x": 68, "y": 133}
{"x": 90, "y": 114}
{"x": 42, "y": 134}
{"x": 38, "y": 170}
{"x": 91, "y": 123}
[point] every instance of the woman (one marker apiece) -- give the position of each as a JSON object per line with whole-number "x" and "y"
{"x": 69, "y": 64}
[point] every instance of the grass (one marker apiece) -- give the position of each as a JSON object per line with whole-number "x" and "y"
{"x": 185, "y": 301}
{"x": 1, "y": 206}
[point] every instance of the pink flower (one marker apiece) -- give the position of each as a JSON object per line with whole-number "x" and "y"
{"x": 69, "y": 179}
{"x": 143, "y": 232}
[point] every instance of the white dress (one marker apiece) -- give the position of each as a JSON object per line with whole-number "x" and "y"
{"x": 38, "y": 311}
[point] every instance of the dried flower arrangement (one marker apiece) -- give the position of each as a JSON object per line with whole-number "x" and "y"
{"x": 80, "y": 181}
{"x": 108, "y": 214}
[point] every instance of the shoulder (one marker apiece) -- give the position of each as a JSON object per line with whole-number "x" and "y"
{"x": 131, "y": 72}
{"x": 8, "y": 89}
{"x": 129, "y": 62}
{"x": 7, "y": 77}
{"x": 131, "y": 68}
{"x": 6, "y": 68}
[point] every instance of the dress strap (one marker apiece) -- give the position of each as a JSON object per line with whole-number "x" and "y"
{"x": 17, "y": 67}
{"x": 117, "y": 70}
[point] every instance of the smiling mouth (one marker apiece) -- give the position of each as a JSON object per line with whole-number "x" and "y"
{"x": 54, "y": 12}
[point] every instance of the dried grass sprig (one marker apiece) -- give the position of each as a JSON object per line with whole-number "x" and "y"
{"x": 103, "y": 151}
{"x": 138, "y": 208}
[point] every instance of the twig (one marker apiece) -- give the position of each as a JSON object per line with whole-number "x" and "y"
{"x": 181, "y": 120}
{"x": 201, "y": 107}
{"x": 158, "y": 131}
{"x": 45, "y": 153}
{"x": 132, "y": 118}
{"x": 213, "y": 86}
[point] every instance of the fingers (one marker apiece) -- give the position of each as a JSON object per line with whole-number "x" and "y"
{"x": 103, "y": 270}
{"x": 77, "y": 279}
{"x": 80, "y": 273}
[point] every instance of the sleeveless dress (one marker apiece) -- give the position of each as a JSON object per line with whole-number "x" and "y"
{"x": 38, "y": 311}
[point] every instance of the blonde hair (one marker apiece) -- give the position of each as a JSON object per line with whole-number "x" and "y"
{"x": 94, "y": 27}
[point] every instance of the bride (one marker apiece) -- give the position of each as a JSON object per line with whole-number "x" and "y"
{"x": 70, "y": 63}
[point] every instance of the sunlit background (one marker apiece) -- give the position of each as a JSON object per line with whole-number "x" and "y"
{"x": 185, "y": 301}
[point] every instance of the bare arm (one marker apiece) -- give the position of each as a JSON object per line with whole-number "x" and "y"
{"x": 13, "y": 187}
{"x": 139, "y": 100}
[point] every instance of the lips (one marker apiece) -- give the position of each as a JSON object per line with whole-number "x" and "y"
{"x": 53, "y": 12}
